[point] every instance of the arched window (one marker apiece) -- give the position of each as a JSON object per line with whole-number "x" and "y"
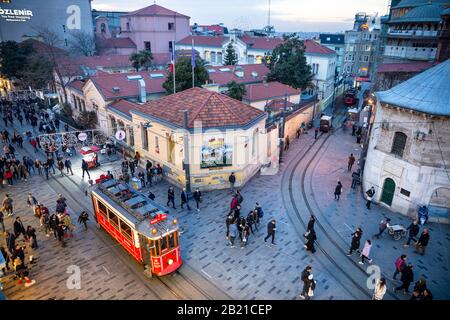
{"x": 103, "y": 28}
{"x": 398, "y": 146}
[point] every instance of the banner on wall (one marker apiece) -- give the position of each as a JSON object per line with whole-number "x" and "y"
{"x": 215, "y": 153}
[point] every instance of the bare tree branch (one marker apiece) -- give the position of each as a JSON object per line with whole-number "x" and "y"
{"x": 82, "y": 43}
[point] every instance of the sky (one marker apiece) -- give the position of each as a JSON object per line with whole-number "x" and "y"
{"x": 286, "y": 15}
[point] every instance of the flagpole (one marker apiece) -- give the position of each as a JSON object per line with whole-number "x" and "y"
{"x": 193, "y": 62}
{"x": 173, "y": 51}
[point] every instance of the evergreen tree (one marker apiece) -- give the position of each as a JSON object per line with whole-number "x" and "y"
{"x": 183, "y": 75}
{"x": 230, "y": 58}
{"x": 236, "y": 90}
{"x": 141, "y": 59}
{"x": 288, "y": 65}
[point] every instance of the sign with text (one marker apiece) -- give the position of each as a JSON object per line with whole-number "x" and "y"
{"x": 215, "y": 153}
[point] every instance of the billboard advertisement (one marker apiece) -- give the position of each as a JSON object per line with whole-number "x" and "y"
{"x": 215, "y": 153}
{"x": 19, "y": 19}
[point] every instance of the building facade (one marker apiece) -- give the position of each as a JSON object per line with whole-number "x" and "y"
{"x": 409, "y": 145}
{"x": 154, "y": 28}
{"x": 21, "y": 19}
{"x": 361, "y": 46}
{"x": 335, "y": 42}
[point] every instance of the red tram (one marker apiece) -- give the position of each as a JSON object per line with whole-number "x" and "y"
{"x": 139, "y": 224}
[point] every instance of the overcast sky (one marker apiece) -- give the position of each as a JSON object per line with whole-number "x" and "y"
{"x": 287, "y": 15}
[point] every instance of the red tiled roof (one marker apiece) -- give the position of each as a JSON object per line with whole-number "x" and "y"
{"x": 105, "y": 61}
{"x": 269, "y": 90}
{"x": 118, "y": 43}
{"x": 216, "y": 28}
{"x": 123, "y": 106}
{"x": 160, "y": 59}
{"x": 105, "y": 82}
{"x": 313, "y": 47}
{"x": 209, "y": 41}
{"x": 77, "y": 84}
{"x": 262, "y": 43}
{"x": 223, "y": 77}
{"x": 43, "y": 48}
{"x": 279, "y": 104}
{"x": 211, "y": 108}
{"x": 413, "y": 67}
{"x": 155, "y": 10}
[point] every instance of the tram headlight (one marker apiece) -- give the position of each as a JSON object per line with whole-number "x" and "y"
{"x": 175, "y": 221}
{"x": 169, "y": 262}
{"x": 154, "y": 231}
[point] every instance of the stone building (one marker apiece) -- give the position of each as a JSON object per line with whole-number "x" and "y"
{"x": 408, "y": 159}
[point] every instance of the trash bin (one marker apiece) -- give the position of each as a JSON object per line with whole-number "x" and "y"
{"x": 423, "y": 215}
{"x": 136, "y": 184}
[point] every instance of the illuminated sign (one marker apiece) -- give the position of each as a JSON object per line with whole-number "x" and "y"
{"x": 159, "y": 217}
{"x": 16, "y": 15}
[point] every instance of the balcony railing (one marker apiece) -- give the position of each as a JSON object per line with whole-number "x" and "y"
{"x": 419, "y": 53}
{"x": 417, "y": 33}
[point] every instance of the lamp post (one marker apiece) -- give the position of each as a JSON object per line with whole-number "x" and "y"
{"x": 367, "y": 135}
{"x": 186, "y": 162}
{"x": 281, "y": 129}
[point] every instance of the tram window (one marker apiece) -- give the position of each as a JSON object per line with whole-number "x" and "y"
{"x": 171, "y": 238}
{"x": 164, "y": 243}
{"x": 125, "y": 230}
{"x": 157, "y": 249}
{"x": 101, "y": 208}
{"x": 113, "y": 219}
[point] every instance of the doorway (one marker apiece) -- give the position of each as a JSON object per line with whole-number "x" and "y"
{"x": 388, "y": 191}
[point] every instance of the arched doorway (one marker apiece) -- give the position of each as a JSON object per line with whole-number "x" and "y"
{"x": 440, "y": 203}
{"x": 388, "y": 191}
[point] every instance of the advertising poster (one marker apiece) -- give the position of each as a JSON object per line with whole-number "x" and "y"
{"x": 215, "y": 153}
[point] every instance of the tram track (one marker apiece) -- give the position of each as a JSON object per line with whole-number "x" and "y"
{"x": 167, "y": 282}
{"x": 333, "y": 242}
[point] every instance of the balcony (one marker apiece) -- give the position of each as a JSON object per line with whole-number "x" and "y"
{"x": 419, "y": 53}
{"x": 413, "y": 33}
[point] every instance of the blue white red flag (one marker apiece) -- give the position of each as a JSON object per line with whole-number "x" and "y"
{"x": 172, "y": 58}
{"x": 193, "y": 55}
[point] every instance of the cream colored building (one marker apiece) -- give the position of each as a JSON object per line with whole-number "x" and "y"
{"x": 225, "y": 135}
{"x": 408, "y": 158}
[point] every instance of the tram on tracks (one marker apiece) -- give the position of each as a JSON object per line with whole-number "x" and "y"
{"x": 142, "y": 226}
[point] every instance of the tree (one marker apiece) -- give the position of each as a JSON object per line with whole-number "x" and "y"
{"x": 183, "y": 75}
{"x": 288, "y": 64}
{"x": 38, "y": 72}
{"x": 88, "y": 119}
{"x": 141, "y": 59}
{"x": 236, "y": 90}
{"x": 82, "y": 43}
{"x": 13, "y": 58}
{"x": 230, "y": 58}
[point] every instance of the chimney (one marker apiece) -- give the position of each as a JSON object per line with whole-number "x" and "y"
{"x": 142, "y": 93}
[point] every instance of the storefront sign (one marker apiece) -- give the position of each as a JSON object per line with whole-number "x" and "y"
{"x": 16, "y": 15}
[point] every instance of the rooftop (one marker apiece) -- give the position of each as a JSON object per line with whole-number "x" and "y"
{"x": 213, "y": 109}
{"x": 77, "y": 84}
{"x": 269, "y": 90}
{"x": 412, "y": 67}
{"x": 427, "y": 92}
{"x": 122, "y": 106}
{"x": 155, "y": 10}
{"x": 208, "y": 41}
{"x": 262, "y": 43}
{"x": 424, "y": 13}
{"x": 105, "y": 82}
{"x": 118, "y": 43}
{"x": 312, "y": 47}
{"x": 415, "y": 3}
{"x": 247, "y": 73}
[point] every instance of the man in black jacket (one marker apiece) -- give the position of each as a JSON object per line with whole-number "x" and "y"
{"x": 185, "y": 199}
{"x": 171, "y": 197}
{"x": 232, "y": 180}
{"x": 423, "y": 242}
{"x": 198, "y": 198}
{"x": 271, "y": 227}
{"x": 356, "y": 241}
{"x": 413, "y": 232}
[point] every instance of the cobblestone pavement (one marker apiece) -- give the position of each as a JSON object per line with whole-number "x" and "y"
{"x": 350, "y": 212}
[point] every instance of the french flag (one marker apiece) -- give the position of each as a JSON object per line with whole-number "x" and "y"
{"x": 172, "y": 58}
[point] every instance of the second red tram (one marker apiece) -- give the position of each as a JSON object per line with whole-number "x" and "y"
{"x": 143, "y": 227}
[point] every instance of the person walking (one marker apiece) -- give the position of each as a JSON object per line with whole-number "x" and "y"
{"x": 31, "y": 235}
{"x": 19, "y": 228}
{"x": 311, "y": 222}
{"x": 85, "y": 167}
{"x": 234, "y": 202}
{"x": 384, "y": 224}
{"x": 356, "y": 241}
{"x": 366, "y": 252}
{"x": 68, "y": 165}
{"x": 351, "y": 162}
{"x": 2, "y": 224}
{"x": 38, "y": 166}
{"x": 83, "y": 219}
{"x": 198, "y": 198}
{"x": 228, "y": 221}
{"x": 234, "y": 233}
{"x": 271, "y": 228}
{"x": 400, "y": 264}
{"x": 8, "y": 205}
{"x": 338, "y": 191}
{"x": 370, "y": 193}
{"x": 305, "y": 279}
{"x": 171, "y": 197}
{"x": 310, "y": 237}
{"x": 380, "y": 289}
{"x": 406, "y": 279}
{"x": 422, "y": 243}
{"x": 185, "y": 199}
{"x": 286, "y": 143}
{"x": 232, "y": 180}
{"x": 413, "y": 231}
{"x": 245, "y": 232}
{"x": 61, "y": 167}
{"x": 316, "y": 132}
